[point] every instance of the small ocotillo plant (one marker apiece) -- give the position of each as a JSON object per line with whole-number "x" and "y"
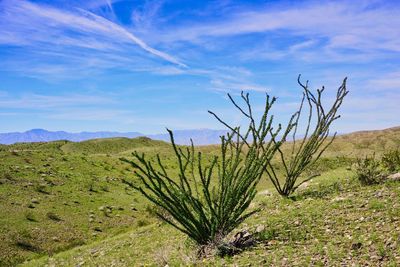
{"x": 209, "y": 198}
{"x": 307, "y": 150}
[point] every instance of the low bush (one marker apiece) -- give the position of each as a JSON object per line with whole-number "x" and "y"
{"x": 391, "y": 160}
{"x": 368, "y": 170}
{"x": 53, "y": 216}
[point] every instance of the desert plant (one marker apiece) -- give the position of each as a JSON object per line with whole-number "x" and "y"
{"x": 391, "y": 160}
{"x": 30, "y": 217}
{"x": 368, "y": 170}
{"x": 209, "y": 198}
{"x": 53, "y": 216}
{"x": 306, "y": 151}
{"x": 42, "y": 188}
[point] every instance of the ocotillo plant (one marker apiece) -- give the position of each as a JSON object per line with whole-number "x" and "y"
{"x": 208, "y": 199}
{"x": 307, "y": 150}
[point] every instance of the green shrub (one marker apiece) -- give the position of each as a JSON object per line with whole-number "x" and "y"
{"x": 53, "y": 216}
{"x": 30, "y": 217}
{"x": 391, "y": 160}
{"x": 142, "y": 223}
{"x": 368, "y": 170}
{"x": 41, "y": 188}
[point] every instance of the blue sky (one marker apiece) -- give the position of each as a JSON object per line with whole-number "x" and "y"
{"x": 142, "y": 66}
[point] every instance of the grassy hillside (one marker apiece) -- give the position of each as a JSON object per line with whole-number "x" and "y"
{"x": 111, "y": 145}
{"x": 67, "y": 200}
{"x": 365, "y": 142}
{"x": 334, "y": 223}
{"x": 53, "y": 199}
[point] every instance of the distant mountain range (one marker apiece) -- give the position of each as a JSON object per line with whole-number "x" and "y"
{"x": 199, "y": 136}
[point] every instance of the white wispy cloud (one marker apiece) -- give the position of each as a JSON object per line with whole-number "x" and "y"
{"x": 361, "y": 26}
{"x": 37, "y": 101}
{"x": 40, "y": 27}
{"x": 388, "y": 81}
{"x": 232, "y": 86}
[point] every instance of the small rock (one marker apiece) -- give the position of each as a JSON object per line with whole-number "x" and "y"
{"x": 394, "y": 177}
{"x": 338, "y": 199}
{"x": 304, "y": 186}
{"x": 265, "y": 193}
{"x": 35, "y": 201}
{"x": 260, "y": 228}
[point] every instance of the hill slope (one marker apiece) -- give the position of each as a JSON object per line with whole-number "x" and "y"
{"x": 334, "y": 223}
{"x": 60, "y": 195}
{"x": 199, "y": 136}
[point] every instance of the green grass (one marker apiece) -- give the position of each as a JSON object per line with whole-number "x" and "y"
{"x": 342, "y": 226}
{"x": 64, "y": 204}
{"x": 50, "y": 199}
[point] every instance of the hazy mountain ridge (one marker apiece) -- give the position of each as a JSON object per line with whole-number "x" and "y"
{"x": 199, "y": 136}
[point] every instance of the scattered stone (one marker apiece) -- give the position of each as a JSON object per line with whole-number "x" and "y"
{"x": 338, "y": 198}
{"x": 260, "y": 228}
{"x": 265, "y": 193}
{"x": 379, "y": 194}
{"x": 304, "y": 185}
{"x": 394, "y": 177}
{"x": 35, "y": 201}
